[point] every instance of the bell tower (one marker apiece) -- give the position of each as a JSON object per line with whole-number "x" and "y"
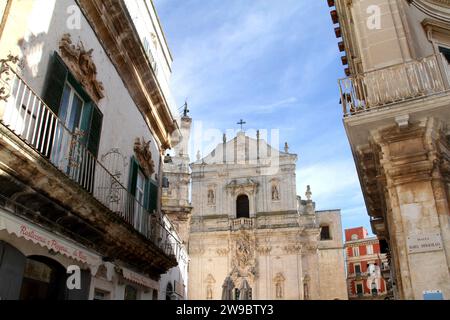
{"x": 175, "y": 192}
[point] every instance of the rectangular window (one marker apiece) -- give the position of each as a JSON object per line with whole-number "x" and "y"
{"x": 131, "y": 293}
{"x": 370, "y": 249}
{"x": 356, "y": 251}
{"x": 359, "y": 289}
{"x": 325, "y": 233}
{"x": 446, "y": 53}
{"x": 101, "y": 295}
{"x": 65, "y": 96}
{"x": 357, "y": 269}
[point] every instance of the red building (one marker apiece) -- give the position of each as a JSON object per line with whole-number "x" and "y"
{"x": 365, "y": 264}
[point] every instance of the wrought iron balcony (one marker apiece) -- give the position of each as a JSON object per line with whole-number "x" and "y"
{"x": 24, "y": 113}
{"x": 383, "y": 87}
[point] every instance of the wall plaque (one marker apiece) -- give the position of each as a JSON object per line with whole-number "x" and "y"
{"x": 424, "y": 243}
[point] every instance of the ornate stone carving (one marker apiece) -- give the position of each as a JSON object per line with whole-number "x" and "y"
{"x": 80, "y": 62}
{"x": 222, "y": 251}
{"x": 293, "y": 249}
{"x": 242, "y": 186}
{"x": 210, "y": 281}
{"x": 279, "y": 285}
{"x": 264, "y": 250}
{"x": 196, "y": 251}
{"x": 144, "y": 156}
{"x": 244, "y": 254}
{"x": 5, "y": 76}
{"x": 211, "y": 197}
{"x": 275, "y": 192}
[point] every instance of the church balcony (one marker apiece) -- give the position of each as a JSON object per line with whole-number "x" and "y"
{"x": 387, "y": 86}
{"x": 242, "y": 224}
{"x": 38, "y": 152}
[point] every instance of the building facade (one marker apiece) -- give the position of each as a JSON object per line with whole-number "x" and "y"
{"x": 85, "y": 118}
{"x": 252, "y": 237}
{"x": 396, "y": 107}
{"x": 365, "y": 264}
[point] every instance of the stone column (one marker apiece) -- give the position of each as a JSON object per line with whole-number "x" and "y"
{"x": 414, "y": 163}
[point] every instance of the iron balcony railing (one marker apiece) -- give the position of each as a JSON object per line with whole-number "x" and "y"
{"x": 382, "y": 87}
{"x": 24, "y": 113}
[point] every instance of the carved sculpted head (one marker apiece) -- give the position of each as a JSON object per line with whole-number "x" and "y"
{"x": 144, "y": 156}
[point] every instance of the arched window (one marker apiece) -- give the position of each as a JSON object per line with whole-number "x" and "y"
{"x": 169, "y": 291}
{"x": 43, "y": 279}
{"x": 242, "y": 207}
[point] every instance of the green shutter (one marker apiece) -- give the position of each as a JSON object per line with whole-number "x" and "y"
{"x": 132, "y": 180}
{"x": 86, "y": 119}
{"x": 147, "y": 194}
{"x": 95, "y": 129}
{"x": 153, "y": 194}
{"x": 55, "y": 81}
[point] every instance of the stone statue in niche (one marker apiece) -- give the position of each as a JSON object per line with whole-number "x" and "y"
{"x": 275, "y": 193}
{"x": 209, "y": 293}
{"x": 144, "y": 156}
{"x": 279, "y": 283}
{"x": 211, "y": 197}
{"x": 81, "y": 64}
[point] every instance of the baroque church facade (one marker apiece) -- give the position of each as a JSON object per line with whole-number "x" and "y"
{"x": 251, "y": 237}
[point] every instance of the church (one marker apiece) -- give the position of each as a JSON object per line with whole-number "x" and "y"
{"x": 252, "y": 237}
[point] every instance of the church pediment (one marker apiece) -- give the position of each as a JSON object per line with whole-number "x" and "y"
{"x": 243, "y": 149}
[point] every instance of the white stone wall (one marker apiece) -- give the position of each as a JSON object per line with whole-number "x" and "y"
{"x": 47, "y": 23}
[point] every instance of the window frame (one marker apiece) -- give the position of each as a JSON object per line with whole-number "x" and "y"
{"x": 328, "y": 234}
{"x": 356, "y": 252}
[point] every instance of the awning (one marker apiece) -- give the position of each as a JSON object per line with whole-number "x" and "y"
{"x": 139, "y": 279}
{"x": 23, "y": 229}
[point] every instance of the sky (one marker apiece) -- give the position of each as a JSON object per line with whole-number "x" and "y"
{"x": 274, "y": 64}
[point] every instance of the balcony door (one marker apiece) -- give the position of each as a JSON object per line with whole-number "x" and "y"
{"x": 70, "y": 114}
{"x": 140, "y": 198}
{"x": 73, "y": 136}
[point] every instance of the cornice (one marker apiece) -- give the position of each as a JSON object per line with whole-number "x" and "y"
{"x": 114, "y": 28}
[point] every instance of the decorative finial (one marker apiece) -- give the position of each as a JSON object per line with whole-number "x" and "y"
{"x": 286, "y": 148}
{"x": 198, "y": 155}
{"x": 224, "y": 138}
{"x": 308, "y": 193}
{"x": 186, "y": 109}
{"x": 241, "y": 123}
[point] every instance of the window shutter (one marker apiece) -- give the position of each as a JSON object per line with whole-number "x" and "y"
{"x": 56, "y": 78}
{"x": 153, "y": 197}
{"x": 132, "y": 180}
{"x": 95, "y": 129}
{"x": 86, "y": 119}
{"x": 147, "y": 194}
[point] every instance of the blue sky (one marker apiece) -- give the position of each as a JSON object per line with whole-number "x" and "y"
{"x": 274, "y": 64}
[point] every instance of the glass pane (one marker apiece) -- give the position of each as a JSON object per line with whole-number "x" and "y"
{"x": 75, "y": 114}
{"x": 64, "y": 103}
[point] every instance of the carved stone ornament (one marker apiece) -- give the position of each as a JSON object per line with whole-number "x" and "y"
{"x": 80, "y": 62}
{"x": 244, "y": 260}
{"x": 144, "y": 156}
{"x": 293, "y": 249}
{"x": 6, "y": 75}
